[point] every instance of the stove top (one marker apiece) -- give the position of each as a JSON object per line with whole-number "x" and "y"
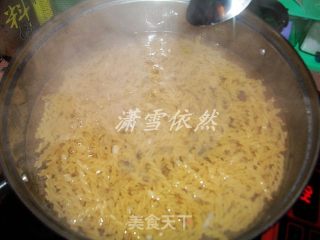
{"x": 302, "y": 222}
{"x": 18, "y": 222}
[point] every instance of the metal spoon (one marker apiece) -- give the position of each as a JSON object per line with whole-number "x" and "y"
{"x": 209, "y": 12}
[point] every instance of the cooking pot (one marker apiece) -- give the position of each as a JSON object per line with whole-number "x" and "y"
{"x": 64, "y": 40}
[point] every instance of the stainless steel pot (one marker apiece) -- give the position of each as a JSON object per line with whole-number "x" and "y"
{"x": 62, "y": 41}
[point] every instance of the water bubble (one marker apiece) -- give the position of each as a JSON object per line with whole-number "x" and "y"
{"x": 262, "y": 51}
{"x": 24, "y": 178}
{"x": 101, "y": 221}
{"x": 115, "y": 149}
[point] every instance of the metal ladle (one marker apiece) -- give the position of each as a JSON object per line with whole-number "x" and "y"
{"x": 210, "y": 12}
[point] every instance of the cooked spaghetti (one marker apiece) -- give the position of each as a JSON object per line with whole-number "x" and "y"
{"x": 110, "y": 184}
